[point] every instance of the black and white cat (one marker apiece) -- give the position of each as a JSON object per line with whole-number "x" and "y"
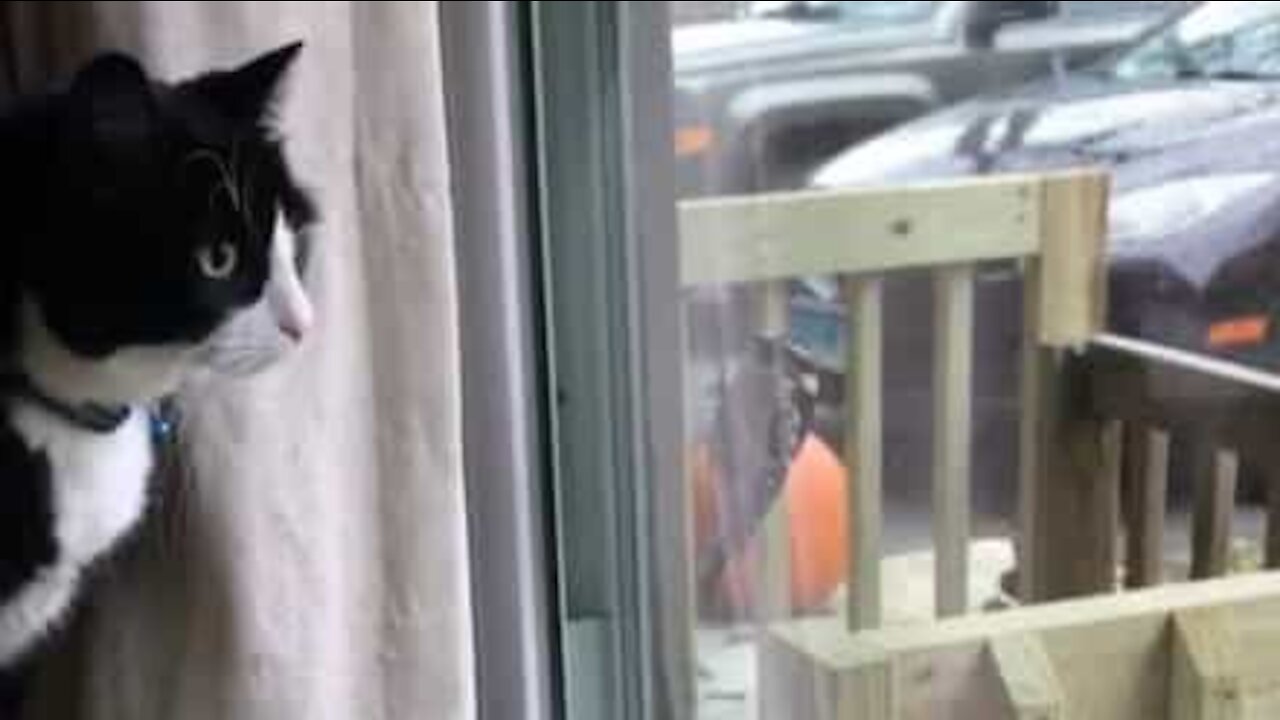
{"x": 150, "y": 230}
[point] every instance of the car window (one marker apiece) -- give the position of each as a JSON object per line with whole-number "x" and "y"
{"x": 1092, "y": 9}
{"x": 1220, "y": 39}
{"x": 886, "y": 12}
{"x": 872, "y": 14}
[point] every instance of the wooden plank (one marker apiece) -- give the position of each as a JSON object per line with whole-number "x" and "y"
{"x": 792, "y": 687}
{"x": 1068, "y": 485}
{"x": 1272, "y": 470}
{"x": 1146, "y": 467}
{"x": 1215, "y": 478}
{"x": 1111, "y": 654}
{"x": 1216, "y": 407}
{"x": 956, "y": 685}
{"x": 1076, "y": 510}
{"x": 1035, "y": 387}
{"x": 773, "y": 316}
{"x": 864, "y": 405}
{"x": 1206, "y": 677}
{"x": 953, "y": 435}
{"x": 1073, "y": 233}
{"x": 764, "y": 237}
{"x": 1267, "y": 464}
{"x": 1027, "y": 677}
{"x": 773, "y": 581}
{"x": 1227, "y": 372}
{"x": 1106, "y": 508}
{"x": 871, "y": 693}
{"x": 789, "y": 686}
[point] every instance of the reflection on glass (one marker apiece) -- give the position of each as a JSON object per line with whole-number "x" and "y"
{"x": 1221, "y": 39}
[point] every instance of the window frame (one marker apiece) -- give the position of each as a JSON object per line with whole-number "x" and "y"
{"x": 603, "y": 133}
{"x": 560, "y": 137}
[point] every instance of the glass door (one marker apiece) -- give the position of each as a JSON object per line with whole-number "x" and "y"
{"x": 719, "y": 489}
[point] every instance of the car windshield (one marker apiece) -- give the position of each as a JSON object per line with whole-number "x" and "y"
{"x": 861, "y": 13}
{"x": 1222, "y": 40}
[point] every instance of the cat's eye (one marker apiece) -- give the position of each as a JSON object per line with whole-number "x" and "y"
{"x": 218, "y": 261}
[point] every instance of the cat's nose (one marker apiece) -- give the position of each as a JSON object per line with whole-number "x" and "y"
{"x": 293, "y": 312}
{"x": 295, "y": 323}
{"x": 294, "y": 331}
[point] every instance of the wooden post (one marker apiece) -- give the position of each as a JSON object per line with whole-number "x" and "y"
{"x": 1035, "y": 387}
{"x": 1107, "y": 499}
{"x": 1215, "y": 478}
{"x": 864, "y": 428}
{"x": 792, "y": 687}
{"x": 1067, "y": 475}
{"x": 1267, "y": 460}
{"x": 1073, "y": 230}
{"x": 952, "y": 436}
{"x": 1026, "y": 674}
{"x": 1205, "y": 683}
{"x": 773, "y": 581}
{"x": 872, "y": 693}
{"x": 1272, "y": 469}
{"x": 1069, "y": 485}
{"x": 1146, "y": 469}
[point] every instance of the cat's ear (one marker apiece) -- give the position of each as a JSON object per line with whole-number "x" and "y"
{"x": 248, "y": 93}
{"x": 113, "y": 103}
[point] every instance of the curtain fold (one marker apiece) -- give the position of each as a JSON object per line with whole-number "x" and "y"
{"x": 308, "y": 560}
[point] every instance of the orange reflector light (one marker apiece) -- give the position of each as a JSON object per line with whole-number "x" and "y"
{"x": 1236, "y": 332}
{"x": 693, "y": 140}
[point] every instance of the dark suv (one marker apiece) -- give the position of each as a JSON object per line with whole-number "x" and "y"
{"x": 1188, "y": 123}
{"x": 763, "y": 99}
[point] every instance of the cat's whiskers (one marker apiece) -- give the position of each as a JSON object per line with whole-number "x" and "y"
{"x": 246, "y": 189}
{"x": 241, "y": 356}
{"x": 225, "y": 175}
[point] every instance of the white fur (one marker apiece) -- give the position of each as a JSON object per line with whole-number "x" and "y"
{"x": 99, "y": 493}
{"x": 259, "y": 335}
{"x": 285, "y": 295}
{"x": 99, "y": 481}
{"x": 126, "y": 377}
{"x": 252, "y": 339}
{"x": 36, "y": 610}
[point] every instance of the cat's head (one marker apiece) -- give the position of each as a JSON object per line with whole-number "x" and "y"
{"x": 172, "y": 235}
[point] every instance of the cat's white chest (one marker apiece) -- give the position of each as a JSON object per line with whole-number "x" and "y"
{"x": 99, "y": 481}
{"x": 98, "y": 491}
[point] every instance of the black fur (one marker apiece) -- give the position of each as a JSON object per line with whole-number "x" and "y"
{"x": 110, "y": 187}
{"x": 26, "y": 513}
{"x": 14, "y": 688}
{"x": 27, "y": 543}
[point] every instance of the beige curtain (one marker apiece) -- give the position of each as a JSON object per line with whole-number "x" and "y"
{"x": 311, "y": 564}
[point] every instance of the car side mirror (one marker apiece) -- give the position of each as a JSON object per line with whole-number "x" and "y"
{"x": 986, "y": 18}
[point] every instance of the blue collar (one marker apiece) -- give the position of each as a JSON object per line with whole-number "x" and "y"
{"x": 94, "y": 417}
{"x": 97, "y": 418}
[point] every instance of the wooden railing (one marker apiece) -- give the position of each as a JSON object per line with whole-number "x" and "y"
{"x": 1225, "y": 411}
{"x": 1186, "y": 652}
{"x": 1099, "y": 415}
{"x": 1052, "y": 224}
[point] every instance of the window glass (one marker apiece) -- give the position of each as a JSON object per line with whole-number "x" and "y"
{"x": 862, "y": 13}
{"x": 1227, "y": 40}
{"x": 1119, "y": 8}
{"x": 779, "y": 111}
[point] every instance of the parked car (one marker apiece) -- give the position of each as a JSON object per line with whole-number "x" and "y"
{"x": 1188, "y": 122}
{"x": 764, "y": 99}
